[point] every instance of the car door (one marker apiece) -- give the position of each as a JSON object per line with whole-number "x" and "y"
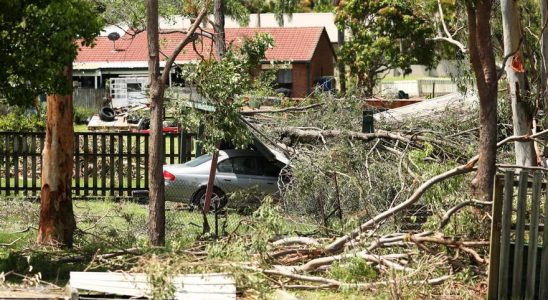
{"x": 234, "y": 173}
{"x": 267, "y": 176}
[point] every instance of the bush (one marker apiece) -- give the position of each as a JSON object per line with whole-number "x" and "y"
{"x": 82, "y": 114}
{"x": 28, "y": 123}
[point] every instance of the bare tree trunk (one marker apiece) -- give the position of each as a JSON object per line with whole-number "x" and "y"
{"x": 57, "y": 223}
{"x": 544, "y": 65}
{"x": 341, "y": 66}
{"x": 156, "y": 206}
{"x": 219, "y": 12}
{"x": 483, "y": 63}
{"x": 521, "y": 114}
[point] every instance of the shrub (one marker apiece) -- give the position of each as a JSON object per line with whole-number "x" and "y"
{"x": 81, "y": 114}
{"x": 18, "y": 122}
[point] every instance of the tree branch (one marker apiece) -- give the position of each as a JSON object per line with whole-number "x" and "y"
{"x": 188, "y": 38}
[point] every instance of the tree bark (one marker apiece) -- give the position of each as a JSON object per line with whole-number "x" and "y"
{"x": 219, "y": 12}
{"x": 57, "y": 223}
{"x": 544, "y": 65}
{"x": 522, "y": 118}
{"x": 483, "y": 63}
{"x": 340, "y": 65}
{"x": 156, "y": 208}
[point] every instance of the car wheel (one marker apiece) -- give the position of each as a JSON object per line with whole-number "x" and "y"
{"x": 218, "y": 197}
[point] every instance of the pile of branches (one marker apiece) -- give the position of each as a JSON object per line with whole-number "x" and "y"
{"x": 300, "y": 262}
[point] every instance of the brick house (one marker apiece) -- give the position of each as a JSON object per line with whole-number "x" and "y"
{"x": 306, "y": 54}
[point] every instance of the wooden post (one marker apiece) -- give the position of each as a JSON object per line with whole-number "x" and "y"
{"x": 494, "y": 250}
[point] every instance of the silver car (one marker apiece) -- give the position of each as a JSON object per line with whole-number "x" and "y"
{"x": 236, "y": 170}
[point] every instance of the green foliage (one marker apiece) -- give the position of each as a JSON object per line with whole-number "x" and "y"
{"x": 220, "y": 83}
{"x": 386, "y": 34}
{"x": 19, "y": 122}
{"x": 159, "y": 274}
{"x": 352, "y": 270}
{"x": 81, "y": 115}
{"x": 39, "y": 38}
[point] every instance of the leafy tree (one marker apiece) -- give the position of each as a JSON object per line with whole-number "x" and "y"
{"x": 222, "y": 82}
{"x": 386, "y": 34}
{"x": 38, "y": 42}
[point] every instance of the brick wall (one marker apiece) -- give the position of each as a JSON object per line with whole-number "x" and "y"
{"x": 300, "y": 80}
{"x": 322, "y": 64}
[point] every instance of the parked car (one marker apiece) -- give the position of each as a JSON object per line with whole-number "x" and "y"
{"x": 236, "y": 170}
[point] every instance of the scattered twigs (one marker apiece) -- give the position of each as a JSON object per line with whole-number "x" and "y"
{"x": 378, "y": 259}
{"x": 82, "y": 258}
{"x": 326, "y": 283}
{"x": 12, "y": 243}
{"x": 447, "y": 216}
{"x": 339, "y": 243}
{"x": 461, "y": 245}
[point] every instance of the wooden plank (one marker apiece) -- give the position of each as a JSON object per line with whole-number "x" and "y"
{"x": 517, "y": 278}
{"x": 33, "y": 164}
{"x": 543, "y": 289}
{"x": 193, "y": 286}
{"x": 112, "y": 165}
{"x": 138, "y": 161}
{"x": 94, "y": 165}
{"x": 147, "y": 139}
{"x": 25, "y": 156}
{"x": 533, "y": 237}
{"x": 506, "y": 222}
{"x": 86, "y": 165}
{"x": 8, "y": 166}
{"x": 77, "y": 163}
{"x": 103, "y": 165}
{"x": 494, "y": 250}
{"x": 171, "y": 148}
{"x": 120, "y": 165}
{"x": 128, "y": 165}
{"x": 16, "y": 163}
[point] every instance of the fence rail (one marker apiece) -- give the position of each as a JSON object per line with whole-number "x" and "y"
{"x": 105, "y": 164}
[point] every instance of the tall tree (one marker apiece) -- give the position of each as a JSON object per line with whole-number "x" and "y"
{"x": 522, "y": 117}
{"x": 482, "y": 58}
{"x": 219, "y": 8}
{"x": 158, "y": 81}
{"x": 544, "y": 63}
{"x": 386, "y": 34}
{"x": 38, "y": 42}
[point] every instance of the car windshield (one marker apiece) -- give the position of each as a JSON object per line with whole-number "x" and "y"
{"x": 198, "y": 161}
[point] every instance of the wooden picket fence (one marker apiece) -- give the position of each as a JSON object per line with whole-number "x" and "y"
{"x": 105, "y": 164}
{"x": 518, "y": 264}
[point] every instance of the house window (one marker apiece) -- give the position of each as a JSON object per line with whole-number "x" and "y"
{"x": 285, "y": 76}
{"x": 133, "y": 87}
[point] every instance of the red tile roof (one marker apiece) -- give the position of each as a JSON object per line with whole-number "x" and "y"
{"x": 290, "y": 44}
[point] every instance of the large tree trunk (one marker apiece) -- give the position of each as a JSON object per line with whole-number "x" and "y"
{"x": 483, "y": 63}
{"x": 156, "y": 206}
{"x": 544, "y": 66}
{"x": 219, "y": 12}
{"x": 57, "y": 223}
{"x": 521, "y": 115}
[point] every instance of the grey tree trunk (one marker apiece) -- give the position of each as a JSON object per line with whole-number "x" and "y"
{"x": 544, "y": 66}
{"x": 156, "y": 205}
{"x": 521, "y": 114}
{"x": 219, "y": 13}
